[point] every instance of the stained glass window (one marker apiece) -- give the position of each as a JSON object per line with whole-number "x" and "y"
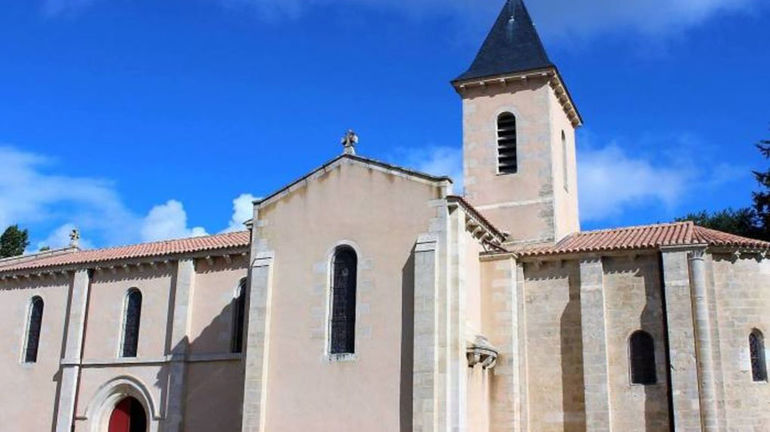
{"x": 33, "y": 330}
{"x": 131, "y": 326}
{"x": 757, "y": 349}
{"x": 343, "y": 314}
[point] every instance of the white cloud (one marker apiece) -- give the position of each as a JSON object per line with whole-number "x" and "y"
{"x": 58, "y": 7}
{"x": 243, "y": 210}
{"x": 611, "y": 182}
{"x": 60, "y": 238}
{"x": 34, "y": 196}
{"x": 585, "y": 18}
{"x": 29, "y": 194}
{"x": 168, "y": 221}
{"x": 553, "y": 17}
{"x": 437, "y": 161}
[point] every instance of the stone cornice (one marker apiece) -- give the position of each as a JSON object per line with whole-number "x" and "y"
{"x": 550, "y": 74}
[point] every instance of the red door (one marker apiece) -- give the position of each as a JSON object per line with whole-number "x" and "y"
{"x": 128, "y": 416}
{"x": 120, "y": 420}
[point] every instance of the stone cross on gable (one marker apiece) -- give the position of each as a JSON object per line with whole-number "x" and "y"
{"x": 75, "y": 238}
{"x": 349, "y": 141}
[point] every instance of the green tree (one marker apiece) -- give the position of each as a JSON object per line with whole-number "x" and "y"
{"x": 762, "y": 197}
{"x": 13, "y": 242}
{"x": 742, "y": 222}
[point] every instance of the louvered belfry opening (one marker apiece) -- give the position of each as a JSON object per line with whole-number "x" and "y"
{"x": 506, "y": 144}
{"x": 343, "y": 315}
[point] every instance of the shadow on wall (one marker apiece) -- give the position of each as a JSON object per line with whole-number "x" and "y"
{"x": 656, "y": 409}
{"x": 212, "y": 369}
{"x": 407, "y": 343}
{"x": 213, "y": 385}
{"x": 571, "y": 330}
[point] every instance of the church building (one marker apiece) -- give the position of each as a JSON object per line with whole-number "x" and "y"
{"x": 368, "y": 297}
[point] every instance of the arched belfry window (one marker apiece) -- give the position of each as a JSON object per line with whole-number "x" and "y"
{"x": 642, "y": 353}
{"x": 239, "y": 314}
{"x": 506, "y": 144}
{"x": 757, "y": 350}
{"x": 343, "y": 306}
{"x": 34, "y": 325}
{"x": 131, "y": 323}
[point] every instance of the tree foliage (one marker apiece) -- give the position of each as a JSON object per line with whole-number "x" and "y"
{"x": 13, "y": 242}
{"x": 762, "y": 197}
{"x": 742, "y": 222}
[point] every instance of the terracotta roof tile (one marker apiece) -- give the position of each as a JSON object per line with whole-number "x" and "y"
{"x": 163, "y": 248}
{"x": 641, "y": 237}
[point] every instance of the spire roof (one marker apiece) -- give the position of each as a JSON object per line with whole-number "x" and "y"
{"x": 512, "y": 46}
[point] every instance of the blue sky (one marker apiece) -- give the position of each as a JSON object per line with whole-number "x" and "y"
{"x": 138, "y": 120}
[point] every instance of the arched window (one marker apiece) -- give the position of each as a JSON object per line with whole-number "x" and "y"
{"x": 757, "y": 349}
{"x": 506, "y": 144}
{"x": 642, "y": 353}
{"x": 33, "y": 330}
{"x": 565, "y": 166}
{"x": 239, "y": 313}
{"x": 131, "y": 323}
{"x": 343, "y": 292}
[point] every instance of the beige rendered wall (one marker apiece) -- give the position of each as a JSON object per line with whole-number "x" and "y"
{"x": 520, "y": 203}
{"x": 214, "y": 396}
{"x": 29, "y": 395}
{"x": 554, "y": 355}
{"x": 211, "y": 328}
{"x": 566, "y": 219}
{"x": 216, "y": 287}
{"x": 381, "y": 215}
{"x": 633, "y": 295}
{"x": 213, "y": 378}
{"x": 104, "y": 327}
{"x": 478, "y": 379}
{"x": 106, "y": 311}
{"x": 741, "y": 288}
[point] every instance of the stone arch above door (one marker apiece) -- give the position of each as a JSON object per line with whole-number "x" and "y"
{"x": 110, "y": 394}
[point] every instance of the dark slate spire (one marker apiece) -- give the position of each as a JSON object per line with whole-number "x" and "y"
{"x": 512, "y": 46}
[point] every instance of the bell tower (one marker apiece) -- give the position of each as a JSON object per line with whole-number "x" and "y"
{"x": 519, "y": 125}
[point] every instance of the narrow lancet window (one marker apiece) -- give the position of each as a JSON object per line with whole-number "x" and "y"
{"x": 343, "y": 308}
{"x": 642, "y": 353}
{"x": 564, "y": 158}
{"x": 757, "y": 350}
{"x": 239, "y": 313}
{"x": 506, "y": 144}
{"x": 131, "y": 323}
{"x": 33, "y": 330}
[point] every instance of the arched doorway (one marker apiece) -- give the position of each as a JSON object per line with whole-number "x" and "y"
{"x": 128, "y": 416}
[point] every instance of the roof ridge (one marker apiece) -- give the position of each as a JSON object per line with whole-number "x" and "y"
{"x": 359, "y": 159}
{"x": 160, "y": 242}
{"x": 704, "y": 230}
{"x": 632, "y": 227}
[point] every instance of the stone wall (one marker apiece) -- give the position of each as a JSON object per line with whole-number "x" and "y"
{"x": 30, "y": 392}
{"x": 633, "y": 295}
{"x": 554, "y": 348}
{"x": 741, "y": 288}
